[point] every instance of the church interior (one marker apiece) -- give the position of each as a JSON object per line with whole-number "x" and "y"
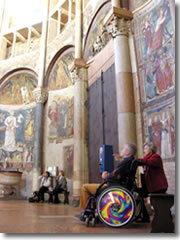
{"x": 79, "y": 74}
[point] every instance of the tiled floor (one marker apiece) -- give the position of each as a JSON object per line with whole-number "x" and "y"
{"x": 19, "y": 216}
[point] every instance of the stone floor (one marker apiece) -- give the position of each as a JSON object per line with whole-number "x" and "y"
{"x": 20, "y": 216}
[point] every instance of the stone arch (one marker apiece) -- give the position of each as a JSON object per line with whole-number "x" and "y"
{"x": 17, "y": 86}
{"x": 96, "y": 38}
{"x": 58, "y": 72}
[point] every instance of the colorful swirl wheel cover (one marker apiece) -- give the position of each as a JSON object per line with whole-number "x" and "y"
{"x": 116, "y": 207}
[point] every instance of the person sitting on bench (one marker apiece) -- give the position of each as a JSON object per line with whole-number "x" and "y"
{"x": 61, "y": 186}
{"x": 45, "y": 183}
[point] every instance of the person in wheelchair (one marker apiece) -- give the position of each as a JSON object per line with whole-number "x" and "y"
{"x": 118, "y": 176}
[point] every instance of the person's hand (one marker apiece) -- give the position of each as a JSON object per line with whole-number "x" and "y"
{"x": 117, "y": 156}
{"x": 105, "y": 175}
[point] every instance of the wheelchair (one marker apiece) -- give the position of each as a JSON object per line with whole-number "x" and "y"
{"x": 117, "y": 204}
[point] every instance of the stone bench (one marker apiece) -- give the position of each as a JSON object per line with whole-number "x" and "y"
{"x": 162, "y": 220}
{"x": 65, "y": 193}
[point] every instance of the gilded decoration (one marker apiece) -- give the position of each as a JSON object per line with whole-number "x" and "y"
{"x": 17, "y": 138}
{"x": 18, "y": 90}
{"x": 60, "y": 115}
{"x": 60, "y": 75}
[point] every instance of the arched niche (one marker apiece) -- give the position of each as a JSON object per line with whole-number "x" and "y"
{"x": 58, "y": 73}
{"x": 16, "y": 87}
{"x": 96, "y": 37}
{"x": 17, "y": 113}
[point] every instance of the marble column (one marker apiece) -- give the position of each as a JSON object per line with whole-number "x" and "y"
{"x": 80, "y": 168}
{"x": 40, "y": 96}
{"x": 78, "y": 32}
{"x": 116, "y": 3}
{"x": 137, "y": 96}
{"x": 118, "y": 24}
{"x": 138, "y": 113}
{"x": 43, "y": 48}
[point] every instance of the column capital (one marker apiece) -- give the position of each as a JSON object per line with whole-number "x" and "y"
{"x": 118, "y": 22}
{"x": 77, "y": 65}
{"x": 40, "y": 95}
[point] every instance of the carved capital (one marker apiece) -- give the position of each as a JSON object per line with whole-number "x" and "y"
{"x": 118, "y": 26}
{"x": 40, "y": 95}
{"x": 77, "y": 69}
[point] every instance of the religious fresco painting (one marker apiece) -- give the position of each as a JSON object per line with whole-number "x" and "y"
{"x": 88, "y": 14}
{"x": 18, "y": 90}
{"x": 158, "y": 75}
{"x": 156, "y": 50}
{"x": 155, "y": 41}
{"x": 68, "y": 161}
{"x": 160, "y": 129}
{"x": 17, "y": 138}
{"x": 97, "y": 36}
{"x": 60, "y": 115}
{"x": 60, "y": 75}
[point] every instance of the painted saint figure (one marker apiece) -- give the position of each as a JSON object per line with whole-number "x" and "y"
{"x": 10, "y": 133}
{"x": 53, "y": 116}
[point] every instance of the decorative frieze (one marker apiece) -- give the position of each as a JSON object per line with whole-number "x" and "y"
{"x": 40, "y": 95}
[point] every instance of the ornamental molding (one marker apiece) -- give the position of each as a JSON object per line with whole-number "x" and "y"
{"x": 40, "y": 95}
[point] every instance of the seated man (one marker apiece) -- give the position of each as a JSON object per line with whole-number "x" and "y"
{"x": 127, "y": 153}
{"x": 61, "y": 185}
{"x": 45, "y": 183}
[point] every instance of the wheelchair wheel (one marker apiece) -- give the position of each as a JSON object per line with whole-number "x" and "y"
{"x": 116, "y": 206}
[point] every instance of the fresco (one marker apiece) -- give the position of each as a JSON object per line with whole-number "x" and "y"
{"x": 155, "y": 44}
{"x": 60, "y": 75}
{"x": 60, "y": 114}
{"x": 97, "y": 37}
{"x": 18, "y": 90}
{"x": 17, "y": 138}
{"x": 136, "y": 4}
{"x": 88, "y": 15}
{"x": 160, "y": 129}
{"x": 156, "y": 51}
{"x": 68, "y": 161}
